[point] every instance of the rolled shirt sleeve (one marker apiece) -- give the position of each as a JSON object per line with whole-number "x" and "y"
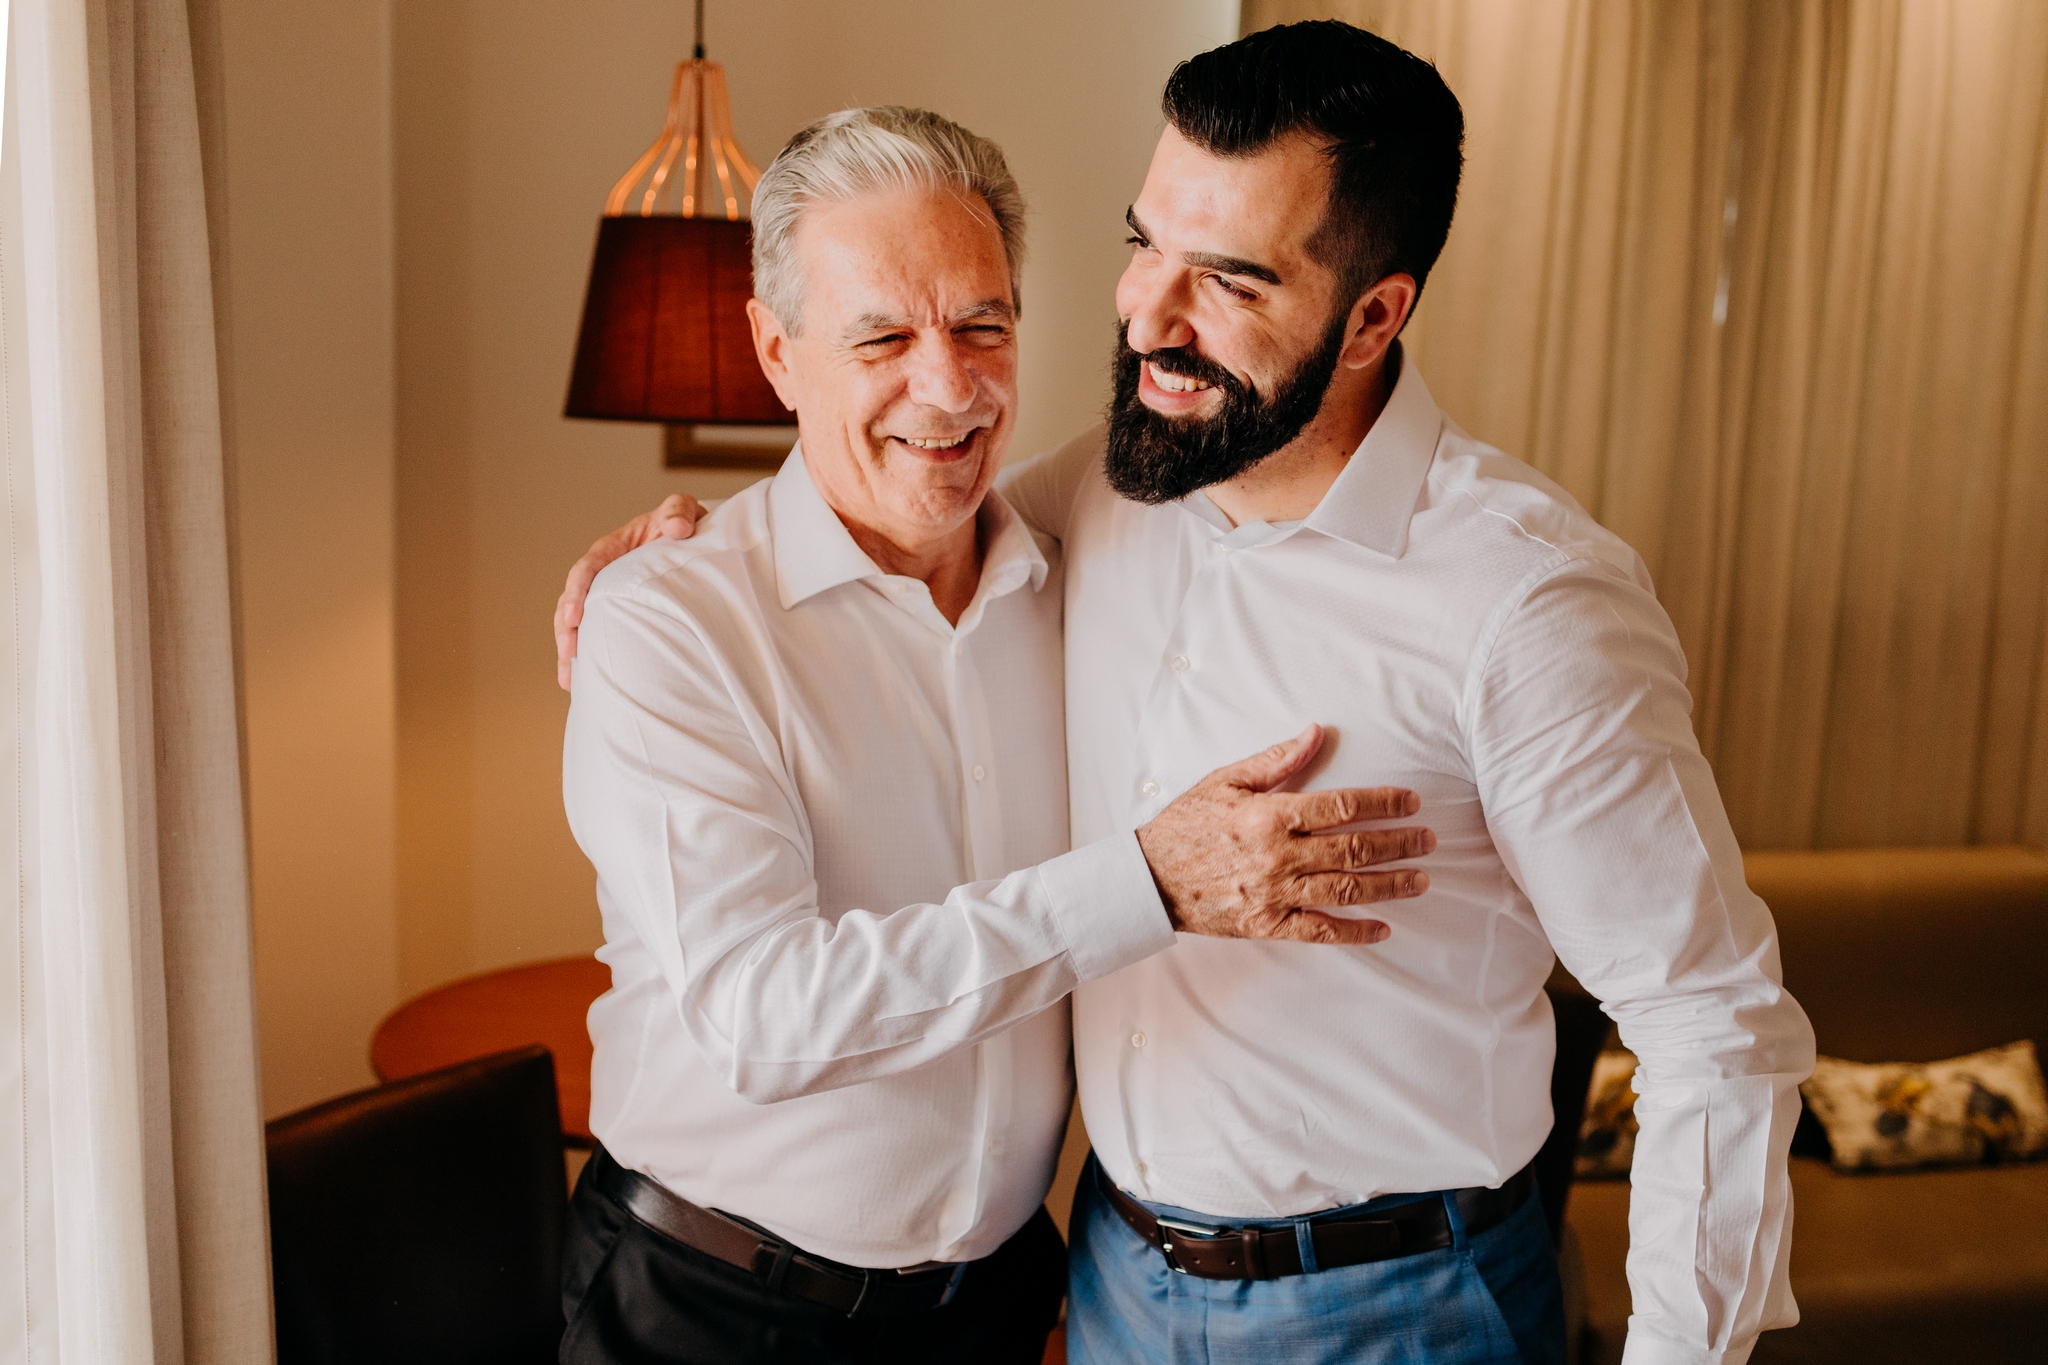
{"x": 1606, "y": 814}
{"x": 676, "y": 792}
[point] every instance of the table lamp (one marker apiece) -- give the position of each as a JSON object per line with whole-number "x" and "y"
{"x": 664, "y": 335}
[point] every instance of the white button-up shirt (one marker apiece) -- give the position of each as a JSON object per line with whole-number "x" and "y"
{"x": 1462, "y": 628}
{"x": 836, "y": 1009}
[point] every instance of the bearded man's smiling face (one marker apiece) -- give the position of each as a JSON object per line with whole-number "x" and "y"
{"x": 1229, "y": 329}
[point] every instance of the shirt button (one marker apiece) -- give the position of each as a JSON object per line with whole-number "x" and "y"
{"x": 1138, "y": 1040}
{"x": 1143, "y": 1169}
{"x": 991, "y": 1146}
{"x": 1149, "y": 787}
{"x": 1179, "y": 663}
{"x": 979, "y": 772}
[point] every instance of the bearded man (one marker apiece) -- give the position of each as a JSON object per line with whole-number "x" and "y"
{"x": 1308, "y": 1157}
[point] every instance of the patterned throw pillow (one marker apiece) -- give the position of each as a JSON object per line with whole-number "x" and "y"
{"x": 1607, "y": 1138}
{"x": 1986, "y": 1107}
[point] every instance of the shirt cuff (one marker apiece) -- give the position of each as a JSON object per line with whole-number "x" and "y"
{"x": 1106, "y": 905}
{"x": 1644, "y": 1349}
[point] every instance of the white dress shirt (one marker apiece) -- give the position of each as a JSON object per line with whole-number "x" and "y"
{"x": 831, "y": 1011}
{"x": 1460, "y": 627}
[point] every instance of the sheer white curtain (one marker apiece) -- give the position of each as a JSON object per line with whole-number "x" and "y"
{"x": 1765, "y": 284}
{"x": 135, "y": 1229}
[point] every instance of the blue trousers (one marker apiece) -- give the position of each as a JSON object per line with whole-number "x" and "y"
{"x": 1494, "y": 1298}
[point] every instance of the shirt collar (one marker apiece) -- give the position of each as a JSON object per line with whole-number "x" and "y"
{"x": 814, "y": 550}
{"x": 1374, "y": 496}
{"x": 1012, "y": 554}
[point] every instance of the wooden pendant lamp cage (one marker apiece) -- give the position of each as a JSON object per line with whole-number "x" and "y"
{"x": 664, "y": 336}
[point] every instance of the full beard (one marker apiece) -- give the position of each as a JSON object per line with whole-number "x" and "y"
{"x": 1154, "y": 458}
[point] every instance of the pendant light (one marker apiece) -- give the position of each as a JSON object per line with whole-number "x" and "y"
{"x": 664, "y": 336}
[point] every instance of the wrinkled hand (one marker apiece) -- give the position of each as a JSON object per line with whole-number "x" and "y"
{"x": 1234, "y": 859}
{"x": 675, "y": 519}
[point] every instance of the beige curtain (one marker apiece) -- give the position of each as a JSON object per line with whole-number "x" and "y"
{"x": 1764, "y": 283}
{"x": 132, "y": 1114}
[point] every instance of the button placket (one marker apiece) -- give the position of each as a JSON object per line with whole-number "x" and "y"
{"x": 980, "y": 797}
{"x": 1154, "y": 764}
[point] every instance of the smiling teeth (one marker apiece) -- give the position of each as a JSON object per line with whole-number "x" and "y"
{"x": 935, "y": 442}
{"x": 1177, "y": 383}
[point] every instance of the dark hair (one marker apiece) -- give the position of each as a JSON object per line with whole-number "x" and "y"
{"x": 1393, "y": 129}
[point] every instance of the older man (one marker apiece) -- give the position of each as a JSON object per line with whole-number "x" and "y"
{"x": 808, "y": 752}
{"x": 1279, "y": 524}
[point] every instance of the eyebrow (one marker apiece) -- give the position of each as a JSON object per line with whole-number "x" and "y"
{"x": 1211, "y": 260}
{"x": 997, "y": 308}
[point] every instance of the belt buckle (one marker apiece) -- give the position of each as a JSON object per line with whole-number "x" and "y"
{"x": 867, "y": 1282}
{"x": 1195, "y": 1230}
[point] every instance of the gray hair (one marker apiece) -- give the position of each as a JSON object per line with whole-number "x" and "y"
{"x": 855, "y": 152}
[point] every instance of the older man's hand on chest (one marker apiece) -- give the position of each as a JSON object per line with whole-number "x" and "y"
{"x": 1235, "y": 859}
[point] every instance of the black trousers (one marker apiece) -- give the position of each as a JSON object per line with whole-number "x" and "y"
{"x": 634, "y": 1297}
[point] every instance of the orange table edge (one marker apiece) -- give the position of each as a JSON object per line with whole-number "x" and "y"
{"x": 538, "y": 1002}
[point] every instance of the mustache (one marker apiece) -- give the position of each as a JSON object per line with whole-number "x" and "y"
{"x": 1191, "y": 364}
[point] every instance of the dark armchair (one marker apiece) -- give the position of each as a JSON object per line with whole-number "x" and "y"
{"x": 422, "y": 1221}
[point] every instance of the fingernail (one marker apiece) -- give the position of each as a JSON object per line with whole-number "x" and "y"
{"x": 1379, "y": 934}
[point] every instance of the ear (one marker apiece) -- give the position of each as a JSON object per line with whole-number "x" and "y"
{"x": 771, "y": 348}
{"x": 1376, "y": 319}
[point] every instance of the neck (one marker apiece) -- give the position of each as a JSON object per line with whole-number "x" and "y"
{"x": 1287, "y": 485}
{"x": 949, "y": 565}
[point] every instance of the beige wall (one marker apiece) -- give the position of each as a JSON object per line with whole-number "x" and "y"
{"x": 310, "y": 387}
{"x": 415, "y": 189}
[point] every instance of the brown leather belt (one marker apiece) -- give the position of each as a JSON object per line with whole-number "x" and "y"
{"x": 850, "y": 1289}
{"x": 1241, "y": 1253}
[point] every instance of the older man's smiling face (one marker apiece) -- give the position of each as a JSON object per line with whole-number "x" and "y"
{"x": 903, "y": 370}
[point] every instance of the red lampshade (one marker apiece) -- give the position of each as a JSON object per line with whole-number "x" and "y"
{"x": 664, "y": 335}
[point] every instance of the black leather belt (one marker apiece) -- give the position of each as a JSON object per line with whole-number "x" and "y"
{"x": 1227, "y": 1253}
{"x": 850, "y": 1289}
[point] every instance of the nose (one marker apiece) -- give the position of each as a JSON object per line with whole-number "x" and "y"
{"x": 939, "y": 375}
{"x": 1154, "y": 306}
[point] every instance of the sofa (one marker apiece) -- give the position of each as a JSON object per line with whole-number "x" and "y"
{"x": 1896, "y": 955}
